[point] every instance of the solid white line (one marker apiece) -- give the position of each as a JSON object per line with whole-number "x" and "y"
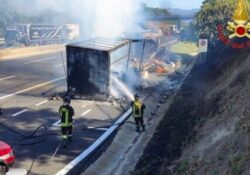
{"x": 101, "y": 129}
{"x": 56, "y": 151}
{"x": 18, "y": 113}
{"x": 86, "y": 112}
{"x": 35, "y": 61}
{"x": 92, "y": 147}
{"x": 59, "y": 65}
{"x": 45, "y": 101}
{"x": 31, "y": 88}
{"x": 6, "y": 78}
{"x": 57, "y": 123}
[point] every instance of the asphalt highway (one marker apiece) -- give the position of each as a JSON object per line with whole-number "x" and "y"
{"x": 26, "y": 85}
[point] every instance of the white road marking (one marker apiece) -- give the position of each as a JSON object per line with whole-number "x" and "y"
{"x": 97, "y": 143}
{"x": 58, "y": 65}
{"x": 41, "y": 60}
{"x": 31, "y": 88}
{"x": 18, "y": 113}
{"x": 56, "y": 151}
{"x": 86, "y": 112}
{"x": 101, "y": 129}
{"x": 58, "y": 123}
{"x": 6, "y": 78}
{"x": 39, "y": 104}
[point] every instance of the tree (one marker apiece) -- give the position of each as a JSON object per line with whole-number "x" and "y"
{"x": 154, "y": 12}
{"x": 213, "y": 13}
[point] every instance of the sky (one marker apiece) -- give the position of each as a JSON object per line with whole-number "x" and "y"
{"x": 182, "y": 4}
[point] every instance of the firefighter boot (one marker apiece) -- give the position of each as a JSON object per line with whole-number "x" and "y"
{"x": 137, "y": 128}
{"x": 143, "y": 127}
{"x": 64, "y": 143}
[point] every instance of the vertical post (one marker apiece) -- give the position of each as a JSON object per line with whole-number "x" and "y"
{"x": 206, "y": 58}
{"x": 129, "y": 54}
{"x": 142, "y": 54}
{"x": 178, "y": 23}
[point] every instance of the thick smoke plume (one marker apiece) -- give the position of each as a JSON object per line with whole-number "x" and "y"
{"x": 97, "y": 18}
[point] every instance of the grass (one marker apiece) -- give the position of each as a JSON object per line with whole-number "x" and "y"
{"x": 214, "y": 172}
{"x": 188, "y": 48}
{"x": 183, "y": 167}
{"x": 235, "y": 166}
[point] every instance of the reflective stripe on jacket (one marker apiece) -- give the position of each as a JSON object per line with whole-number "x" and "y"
{"x": 137, "y": 108}
{"x": 66, "y": 116}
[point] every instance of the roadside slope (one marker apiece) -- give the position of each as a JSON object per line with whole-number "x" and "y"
{"x": 207, "y": 125}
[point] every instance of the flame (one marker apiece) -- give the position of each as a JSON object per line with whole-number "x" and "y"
{"x": 160, "y": 70}
{"x": 241, "y": 13}
{"x": 145, "y": 75}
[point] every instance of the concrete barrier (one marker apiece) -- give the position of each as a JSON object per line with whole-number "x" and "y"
{"x": 30, "y": 51}
{"x": 2, "y": 41}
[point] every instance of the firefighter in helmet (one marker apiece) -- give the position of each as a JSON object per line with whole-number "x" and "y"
{"x": 66, "y": 113}
{"x": 138, "y": 111}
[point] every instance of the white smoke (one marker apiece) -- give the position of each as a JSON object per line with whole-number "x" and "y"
{"x": 98, "y": 18}
{"x": 158, "y": 3}
{"x": 113, "y": 17}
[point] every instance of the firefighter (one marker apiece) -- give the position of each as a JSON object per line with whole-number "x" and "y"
{"x": 138, "y": 111}
{"x": 66, "y": 113}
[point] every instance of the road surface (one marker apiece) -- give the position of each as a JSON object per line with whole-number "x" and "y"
{"x": 25, "y": 87}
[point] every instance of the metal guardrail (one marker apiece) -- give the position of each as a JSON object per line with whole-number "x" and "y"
{"x": 2, "y": 40}
{"x": 29, "y": 51}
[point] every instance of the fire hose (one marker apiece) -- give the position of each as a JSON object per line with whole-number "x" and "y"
{"x": 25, "y": 139}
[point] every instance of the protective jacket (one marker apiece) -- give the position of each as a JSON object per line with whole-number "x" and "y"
{"x": 137, "y": 108}
{"x": 66, "y": 113}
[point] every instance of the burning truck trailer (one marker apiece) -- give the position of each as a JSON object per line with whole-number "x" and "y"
{"x": 93, "y": 66}
{"x": 97, "y": 68}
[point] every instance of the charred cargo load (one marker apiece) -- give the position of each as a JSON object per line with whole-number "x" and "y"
{"x": 90, "y": 64}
